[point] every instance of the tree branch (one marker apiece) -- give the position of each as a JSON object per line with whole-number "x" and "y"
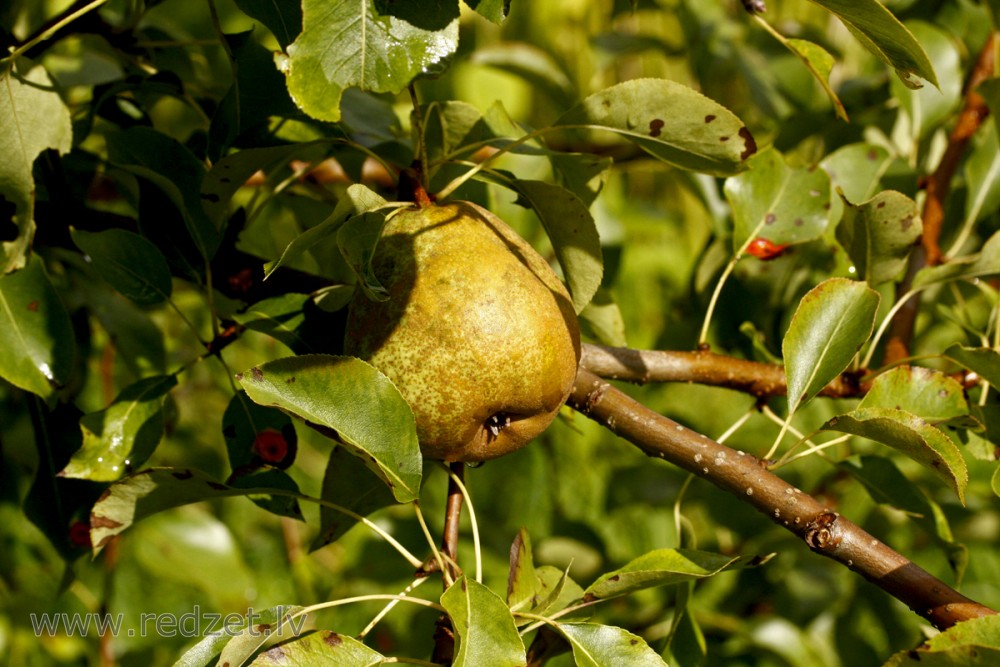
{"x": 743, "y": 475}
{"x": 703, "y": 367}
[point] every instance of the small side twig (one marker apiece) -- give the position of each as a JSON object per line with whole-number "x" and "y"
{"x": 444, "y": 634}
{"x": 823, "y": 530}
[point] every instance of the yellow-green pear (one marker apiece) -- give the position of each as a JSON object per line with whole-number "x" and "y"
{"x": 478, "y": 333}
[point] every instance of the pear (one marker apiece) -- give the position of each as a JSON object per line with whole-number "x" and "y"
{"x": 478, "y": 333}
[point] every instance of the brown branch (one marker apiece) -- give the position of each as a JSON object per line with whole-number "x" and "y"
{"x": 937, "y": 186}
{"x": 444, "y": 635}
{"x": 743, "y": 475}
{"x": 703, "y": 367}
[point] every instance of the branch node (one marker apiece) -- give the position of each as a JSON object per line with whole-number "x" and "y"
{"x": 822, "y": 532}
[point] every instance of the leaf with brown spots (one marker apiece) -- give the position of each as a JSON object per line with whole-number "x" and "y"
{"x": 669, "y": 121}
{"x": 596, "y": 645}
{"x": 878, "y": 235}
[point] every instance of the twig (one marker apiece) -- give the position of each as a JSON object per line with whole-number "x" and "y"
{"x": 937, "y": 186}
{"x": 444, "y": 634}
{"x": 703, "y": 367}
{"x": 743, "y": 475}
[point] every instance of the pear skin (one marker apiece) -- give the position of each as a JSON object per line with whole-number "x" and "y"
{"x": 478, "y": 332}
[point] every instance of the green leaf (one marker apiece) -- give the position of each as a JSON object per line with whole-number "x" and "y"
{"x": 878, "y": 235}
{"x": 857, "y": 170}
{"x": 174, "y": 170}
{"x": 352, "y": 44}
{"x": 972, "y": 643}
{"x": 349, "y": 483}
{"x": 828, "y": 328}
{"x": 603, "y": 320}
{"x": 128, "y": 262}
{"x": 205, "y": 652}
{"x": 556, "y": 590}
{"x": 819, "y": 62}
{"x": 150, "y": 491}
{"x": 926, "y": 393}
{"x": 582, "y": 174}
{"x": 985, "y": 263}
{"x": 982, "y": 177}
{"x": 990, "y": 90}
{"x": 357, "y": 239}
{"x": 522, "y": 581}
{"x": 33, "y": 118}
{"x": 881, "y": 33}
{"x": 995, "y": 481}
{"x": 257, "y": 436}
{"x": 573, "y": 233}
{"x": 36, "y": 335}
{"x": 493, "y": 10}
{"x": 928, "y": 108}
{"x": 279, "y": 317}
{"x": 352, "y": 398}
{"x": 322, "y": 647}
{"x": 274, "y": 623}
{"x": 911, "y": 435}
{"x": 778, "y": 203}
{"x": 983, "y": 361}
{"x": 357, "y": 200}
{"x": 486, "y": 634}
{"x": 283, "y": 19}
{"x": 663, "y": 567}
{"x": 696, "y": 134}
{"x": 120, "y": 438}
{"x": 597, "y": 645}
{"x": 282, "y": 504}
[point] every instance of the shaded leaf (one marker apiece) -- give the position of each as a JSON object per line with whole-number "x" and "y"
{"x": 828, "y": 328}
{"x": 352, "y": 398}
{"x": 857, "y": 169}
{"x": 696, "y": 134}
{"x": 128, "y": 262}
{"x": 926, "y": 393}
{"x": 246, "y": 428}
{"x": 493, "y": 10}
{"x": 573, "y": 233}
{"x": 778, "y": 203}
{"x": 819, "y": 62}
{"x": 983, "y": 361}
{"x": 357, "y": 239}
{"x": 663, "y": 567}
{"x": 486, "y": 634}
{"x": 320, "y": 647}
{"x": 990, "y": 90}
{"x": 530, "y": 63}
{"x": 881, "y": 33}
{"x": 603, "y": 319}
{"x": 982, "y": 177}
{"x": 597, "y": 645}
{"x": 283, "y": 19}
{"x": 357, "y": 200}
{"x": 985, "y": 263}
{"x": 348, "y": 44}
{"x": 33, "y": 118}
{"x": 349, "y": 483}
{"x": 910, "y": 435}
{"x": 878, "y": 235}
{"x": 151, "y": 491}
{"x": 36, "y": 335}
{"x": 283, "y": 504}
{"x": 927, "y": 108}
{"x": 120, "y": 438}
{"x": 279, "y": 317}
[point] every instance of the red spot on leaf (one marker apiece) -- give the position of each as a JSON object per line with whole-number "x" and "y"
{"x": 270, "y": 446}
{"x": 765, "y": 250}
{"x": 33, "y": 306}
{"x": 79, "y": 534}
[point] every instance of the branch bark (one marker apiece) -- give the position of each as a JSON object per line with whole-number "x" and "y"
{"x": 824, "y": 531}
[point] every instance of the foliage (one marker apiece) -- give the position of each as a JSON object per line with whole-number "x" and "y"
{"x": 191, "y": 194}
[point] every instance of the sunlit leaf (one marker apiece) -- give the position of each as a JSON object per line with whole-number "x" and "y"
{"x": 36, "y": 335}
{"x": 346, "y": 44}
{"x": 857, "y": 170}
{"x": 775, "y": 202}
{"x": 522, "y": 581}
{"x": 971, "y": 643}
{"x": 881, "y": 33}
{"x": 697, "y": 133}
{"x": 830, "y": 325}
{"x": 121, "y": 437}
{"x": 661, "y": 568}
{"x": 486, "y": 634}
{"x": 275, "y": 624}
{"x": 33, "y": 118}
{"x": 352, "y": 398}
{"x": 532, "y": 64}
{"x": 150, "y": 491}
{"x": 597, "y": 645}
{"x": 820, "y": 63}
{"x": 130, "y": 263}
{"x": 320, "y": 647}
{"x": 982, "y": 177}
{"x": 349, "y": 483}
{"x": 494, "y": 10}
{"x": 983, "y": 361}
{"x": 279, "y": 317}
{"x": 929, "y": 394}
{"x": 206, "y": 651}
{"x": 878, "y": 235}
{"x": 603, "y": 319}
{"x": 984, "y": 263}
{"x": 911, "y": 435}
